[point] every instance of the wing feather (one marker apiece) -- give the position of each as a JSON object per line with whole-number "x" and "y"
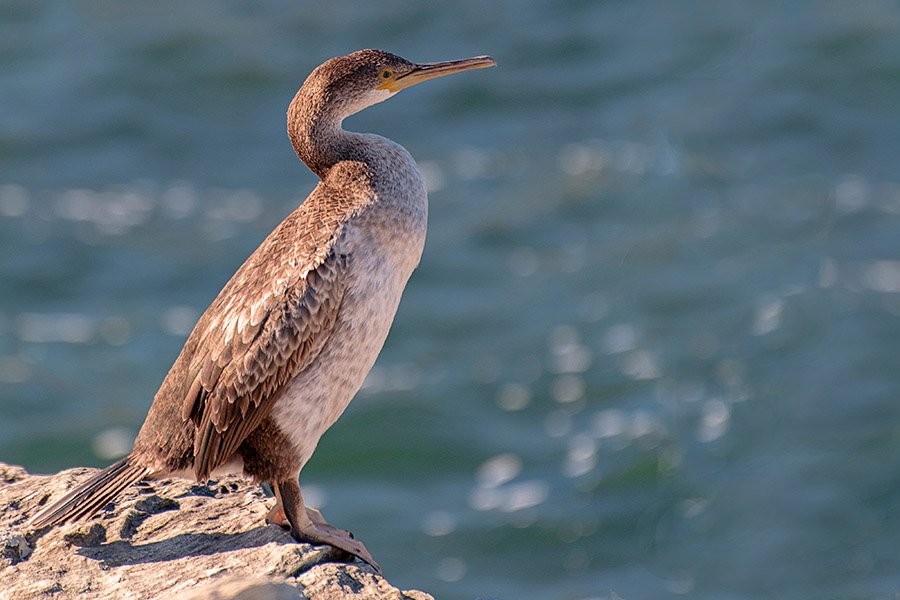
{"x": 243, "y": 382}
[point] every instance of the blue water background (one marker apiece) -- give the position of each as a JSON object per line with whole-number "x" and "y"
{"x": 652, "y": 348}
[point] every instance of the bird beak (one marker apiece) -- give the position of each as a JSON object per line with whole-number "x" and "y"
{"x": 428, "y": 71}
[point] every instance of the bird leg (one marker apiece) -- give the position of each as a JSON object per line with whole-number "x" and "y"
{"x": 308, "y": 525}
{"x": 276, "y": 516}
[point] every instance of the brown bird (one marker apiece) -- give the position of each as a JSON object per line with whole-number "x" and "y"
{"x": 279, "y": 354}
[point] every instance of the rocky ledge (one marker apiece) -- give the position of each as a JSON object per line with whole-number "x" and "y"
{"x": 168, "y": 539}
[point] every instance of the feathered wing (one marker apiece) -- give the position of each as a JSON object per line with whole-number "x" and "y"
{"x": 236, "y": 381}
{"x": 269, "y": 323}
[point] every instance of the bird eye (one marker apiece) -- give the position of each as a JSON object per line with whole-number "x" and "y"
{"x": 386, "y": 73}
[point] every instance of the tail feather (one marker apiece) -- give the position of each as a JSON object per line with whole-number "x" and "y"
{"x": 92, "y": 495}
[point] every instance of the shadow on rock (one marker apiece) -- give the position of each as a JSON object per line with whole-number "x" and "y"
{"x": 184, "y": 545}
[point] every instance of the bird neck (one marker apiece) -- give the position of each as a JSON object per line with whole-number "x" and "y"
{"x": 314, "y": 127}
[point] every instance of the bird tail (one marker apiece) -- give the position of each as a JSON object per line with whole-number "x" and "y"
{"x": 92, "y": 495}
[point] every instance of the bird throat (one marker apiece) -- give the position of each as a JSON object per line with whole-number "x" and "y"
{"x": 314, "y": 127}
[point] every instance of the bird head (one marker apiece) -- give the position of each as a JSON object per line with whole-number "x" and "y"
{"x": 366, "y": 77}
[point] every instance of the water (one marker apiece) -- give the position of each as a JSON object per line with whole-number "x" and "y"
{"x": 651, "y": 350}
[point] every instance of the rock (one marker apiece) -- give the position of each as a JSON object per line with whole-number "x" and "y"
{"x": 169, "y": 539}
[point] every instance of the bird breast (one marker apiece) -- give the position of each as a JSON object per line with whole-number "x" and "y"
{"x": 383, "y": 243}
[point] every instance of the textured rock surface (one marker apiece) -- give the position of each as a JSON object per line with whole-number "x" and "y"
{"x": 168, "y": 539}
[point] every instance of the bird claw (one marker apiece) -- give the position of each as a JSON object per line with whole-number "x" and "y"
{"x": 319, "y": 521}
{"x": 320, "y": 534}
